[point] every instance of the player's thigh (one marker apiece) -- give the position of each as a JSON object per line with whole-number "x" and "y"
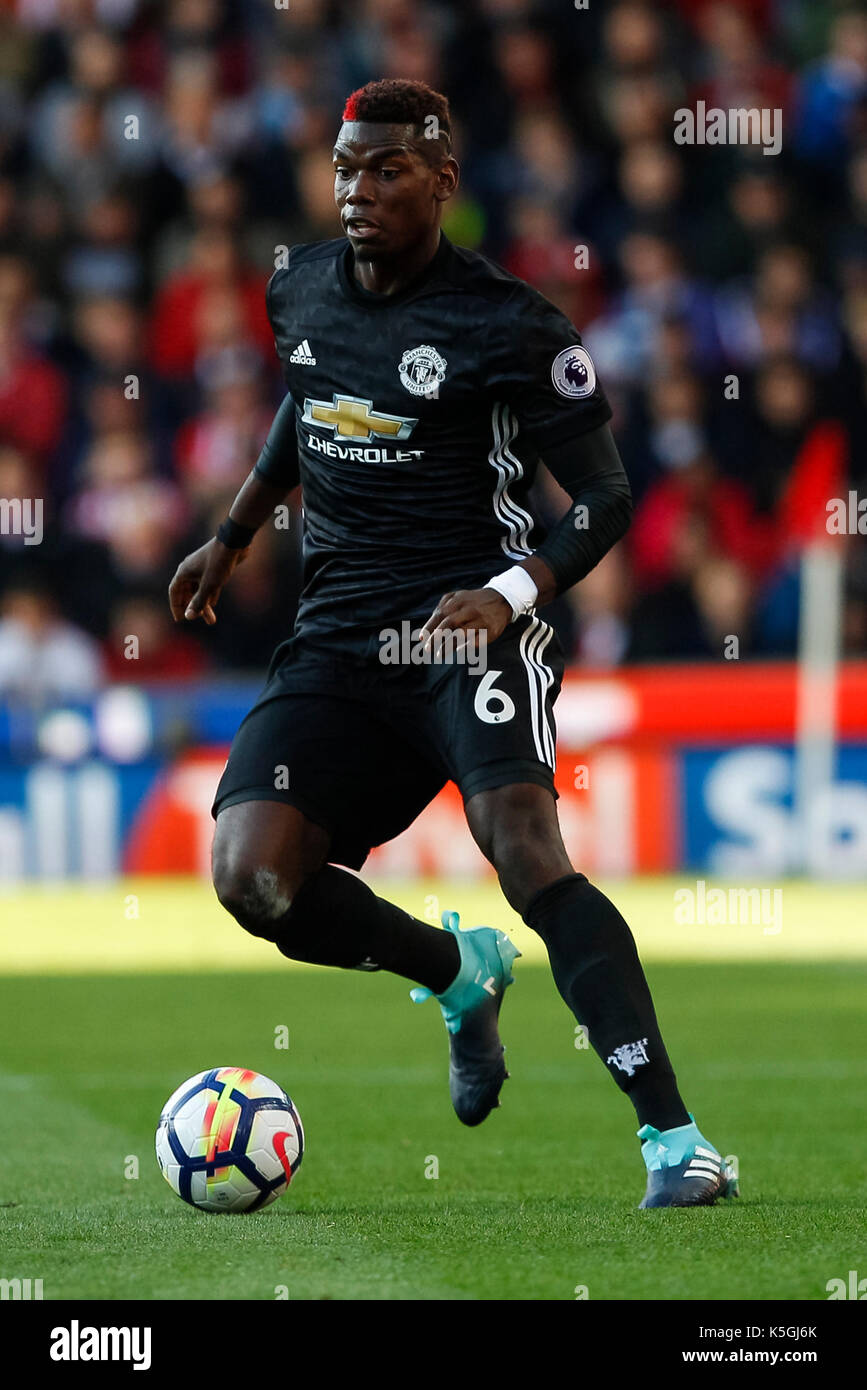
{"x": 338, "y": 760}
{"x": 497, "y": 721}
{"x": 517, "y": 821}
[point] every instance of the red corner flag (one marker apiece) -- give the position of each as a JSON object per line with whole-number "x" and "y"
{"x": 818, "y": 476}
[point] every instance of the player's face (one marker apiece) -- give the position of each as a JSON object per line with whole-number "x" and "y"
{"x": 388, "y": 195}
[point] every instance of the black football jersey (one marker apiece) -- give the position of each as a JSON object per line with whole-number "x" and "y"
{"x": 421, "y": 417}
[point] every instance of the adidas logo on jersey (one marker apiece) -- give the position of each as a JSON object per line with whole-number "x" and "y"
{"x": 303, "y": 356}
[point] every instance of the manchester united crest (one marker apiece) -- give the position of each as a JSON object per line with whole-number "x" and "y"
{"x": 422, "y": 369}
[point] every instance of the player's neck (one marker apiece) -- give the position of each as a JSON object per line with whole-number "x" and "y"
{"x": 393, "y": 275}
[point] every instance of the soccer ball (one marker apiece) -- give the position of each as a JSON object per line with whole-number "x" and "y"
{"x": 229, "y": 1140}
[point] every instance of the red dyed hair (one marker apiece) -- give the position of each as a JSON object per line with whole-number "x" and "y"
{"x": 350, "y": 110}
{"x": 396, "y": 101}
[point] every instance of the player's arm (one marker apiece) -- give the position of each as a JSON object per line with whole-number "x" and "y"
{"x": 199, "y": 579}
{"x": 537, "y": 364}
{"x": 590, "y": 470}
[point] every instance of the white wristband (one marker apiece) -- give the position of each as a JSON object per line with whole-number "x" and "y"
{"x": 517, "y": 588}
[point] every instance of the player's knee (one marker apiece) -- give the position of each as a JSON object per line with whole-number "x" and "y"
{"x": 257, "y": 897}
{"x": 516, "y": 829}
{"x": 527, "y": 857}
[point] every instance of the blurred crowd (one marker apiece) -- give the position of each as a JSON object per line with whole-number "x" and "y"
{"x": 155, "y": 153}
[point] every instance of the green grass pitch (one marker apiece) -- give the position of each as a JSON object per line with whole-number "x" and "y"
{"x": 537, "y": 1203}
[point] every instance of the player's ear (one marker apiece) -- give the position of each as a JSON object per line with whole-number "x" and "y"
{"x": 448, "y": 176}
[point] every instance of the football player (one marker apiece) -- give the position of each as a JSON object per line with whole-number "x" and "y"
{"x": 424, "y": 383}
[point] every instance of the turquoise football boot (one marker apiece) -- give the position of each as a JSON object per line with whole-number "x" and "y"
{"x": 684, "y": 1169}
{"x": 471, "y": 1009}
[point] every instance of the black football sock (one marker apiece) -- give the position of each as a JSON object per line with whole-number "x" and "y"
{"x": 597, "y": 971}
{"x": 335, "y": 919}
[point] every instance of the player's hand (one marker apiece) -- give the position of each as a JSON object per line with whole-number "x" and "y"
{"x": 199, "y": 580}
{"x": 468, "y": 610}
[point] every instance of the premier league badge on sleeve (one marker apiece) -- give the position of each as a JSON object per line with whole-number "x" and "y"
{"x": 573, "y": 373}
{"x": 422, "y": 369}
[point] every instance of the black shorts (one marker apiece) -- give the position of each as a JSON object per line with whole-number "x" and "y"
{"x": 361, "y": 748}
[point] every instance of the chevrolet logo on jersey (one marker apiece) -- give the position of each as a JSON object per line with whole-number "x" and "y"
{"x": 349, "y": 417}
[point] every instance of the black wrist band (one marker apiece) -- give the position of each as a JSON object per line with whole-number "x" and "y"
{"x": 233, "y": 535}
